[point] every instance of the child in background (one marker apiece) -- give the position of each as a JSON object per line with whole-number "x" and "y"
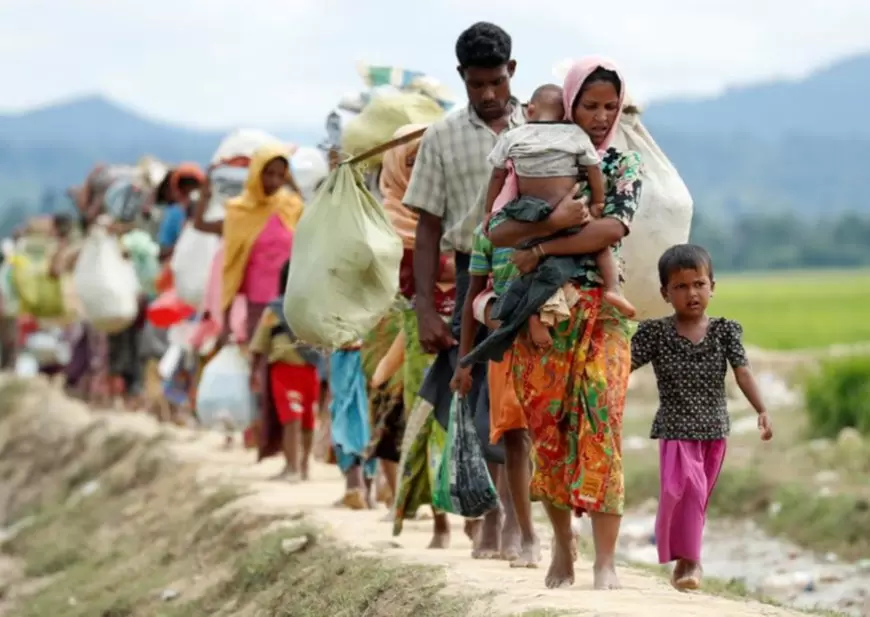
{"x": 690, "y": 353}
{"x": 294, "y": 382}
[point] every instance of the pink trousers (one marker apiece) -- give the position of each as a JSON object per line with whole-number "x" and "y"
{"x": 688, "y": 473}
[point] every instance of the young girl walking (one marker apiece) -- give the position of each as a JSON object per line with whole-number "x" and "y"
{"x": 690, "y": 353}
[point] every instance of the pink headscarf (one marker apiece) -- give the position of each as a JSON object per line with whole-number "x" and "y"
{"x": 577, "y": 76}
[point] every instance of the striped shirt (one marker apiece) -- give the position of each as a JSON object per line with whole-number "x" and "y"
{"x": 451, "y": 173}
{"x": 487, "y": 259}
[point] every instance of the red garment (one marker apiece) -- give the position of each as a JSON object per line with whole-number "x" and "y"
{"x": 444, "y": 300}
{"x": 295, "y": 390}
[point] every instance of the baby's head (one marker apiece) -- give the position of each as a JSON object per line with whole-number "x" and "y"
{"x": 546, "y": 104}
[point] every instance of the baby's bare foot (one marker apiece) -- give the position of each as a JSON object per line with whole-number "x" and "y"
{"x": 617, "y": 300}
{"x": 440, "y": 540}
{"x": 540, "y": 334}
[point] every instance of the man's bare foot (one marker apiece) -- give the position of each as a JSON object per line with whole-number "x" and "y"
{"x": 529, "y": 555}
{"x": 511, "y": 540}
{"x": 539, "y": 333}
{"x": 690, "y": 578}
{"x": 561, "y": 572}
{"x": 472, "y": 529}
{"x": 604, "y": 576}
{"x": 487, "y": 546}
{"x": 440, "y": 540}
{"x": 617, "y": 300}
{"x": 354, "y": 499}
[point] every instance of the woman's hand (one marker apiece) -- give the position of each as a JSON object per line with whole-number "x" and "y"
{"x": 570, "y": 211}
{"x": 526, "y": 260}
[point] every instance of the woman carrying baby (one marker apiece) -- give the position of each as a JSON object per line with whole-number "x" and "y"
{"x": 573, "y": 392}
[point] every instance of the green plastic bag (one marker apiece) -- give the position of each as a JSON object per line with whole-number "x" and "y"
{"x": 39, "y": 294}
{"x": 344, "y": 272}
{"x": 145, "y": 254}
{"x": 382, "y": 117}
{"x": 463, "y": 485}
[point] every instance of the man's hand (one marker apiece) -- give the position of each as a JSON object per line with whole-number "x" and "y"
{"x": 461, "y": 382}
{"x": 433, "y": 332}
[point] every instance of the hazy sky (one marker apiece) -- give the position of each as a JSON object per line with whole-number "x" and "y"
{"x": 284, "y": 63}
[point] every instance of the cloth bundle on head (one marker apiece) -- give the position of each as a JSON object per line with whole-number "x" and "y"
{"x": 248, "y": 214}
{"x": 185, "y": 170}
{"x": 395, "y": 176}
{"x": 575, "y": 79}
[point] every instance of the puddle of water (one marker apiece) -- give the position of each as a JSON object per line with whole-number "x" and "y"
{"x": 740, "y": 550}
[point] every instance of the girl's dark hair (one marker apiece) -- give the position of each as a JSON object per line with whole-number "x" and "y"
{"x": 483, "y": 45}
{"x": 597, "y": 76}
{"x": 188, "y": 183}
{"x": 162, "y": 193}
{"x": 684, "y": 257}
{"x": 283, "y": 276}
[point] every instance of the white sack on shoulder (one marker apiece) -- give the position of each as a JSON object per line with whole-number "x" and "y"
{"x": 191, "y": 263}
{"x": 344, "y": 271}
{"x": 242, "y": 143}
{"x": 106, "y": 283}
{"x": 224, "y": 396}
{"x": 663, "y": 218}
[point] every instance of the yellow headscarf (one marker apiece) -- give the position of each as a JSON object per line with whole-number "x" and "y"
{"x": 395, "y": 176}
{"x": 248, "y": 214}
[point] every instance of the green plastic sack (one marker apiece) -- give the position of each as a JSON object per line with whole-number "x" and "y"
{"x": 382, "y": 117}
{"x": 463, "y": 485}
{"x": 344, "y": 272}
{"x": 39, "y": 294}
{"x": 7, "y": 289}
{"x": 145, "y": 254}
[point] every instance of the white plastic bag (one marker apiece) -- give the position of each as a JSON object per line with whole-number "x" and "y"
{"x": 224, "y": 395}
{"x": 48, "y": 348}
{"x": 309, "y": 167}
{"x": 169, "y": 362}
{"x": 106, "y": 283}
{"x": 26, "y": 366}
{"x": 226, "y": 181}
{"x": 241, "y": 143}
{"x": 663, "y": 218}
{"x": 191, "y": 263}
{"x": 344, "y": 274}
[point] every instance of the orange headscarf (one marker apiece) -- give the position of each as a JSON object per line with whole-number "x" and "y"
{"x": 395, "y": 176}
{"x": 248, "y": 214}
{"x": 184, "y": 170}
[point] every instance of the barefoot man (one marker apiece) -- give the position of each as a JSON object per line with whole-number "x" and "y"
{"x": 450, "y": 172}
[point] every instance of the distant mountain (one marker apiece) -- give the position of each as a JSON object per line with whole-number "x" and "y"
{"x": 797, "y": 146}
{"x": 829, "y": 103}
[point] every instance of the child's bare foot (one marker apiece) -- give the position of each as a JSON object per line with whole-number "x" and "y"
{"x": 440, "y": 540}
{"x": 472, "y": 529}
{"x": 529, "y": 555}
{"x": 617, "y": 300}
{"x": 690, "y": 577}
{"x": 354, "y": 499}
{"x": 304, "y": 472}
{"x": 561, "y": 572}
{"x": 539, "y": 333}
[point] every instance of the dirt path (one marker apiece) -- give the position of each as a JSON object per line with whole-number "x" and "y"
{"x": 514, "y": 591}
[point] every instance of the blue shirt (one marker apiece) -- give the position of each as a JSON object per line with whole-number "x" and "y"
{"x": 171, "y": 226}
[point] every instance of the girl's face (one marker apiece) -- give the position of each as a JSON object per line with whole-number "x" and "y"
{"x": 596, "y": 109}
{"x": 274, "y": 176}
{"x": 689, "y": 291}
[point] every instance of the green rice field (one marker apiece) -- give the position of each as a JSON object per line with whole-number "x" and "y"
{"x": 797, "y": 310}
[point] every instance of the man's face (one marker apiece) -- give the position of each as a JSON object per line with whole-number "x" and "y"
{"x": 489, "y": 89}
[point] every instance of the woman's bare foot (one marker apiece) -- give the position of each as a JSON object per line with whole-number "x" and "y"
{"x": 690, "y": 577}
{"x": 616, "y": 299}
{"x": 561, "y": 572}
{"x": 511, "y": 540}
{"x": 539, "y": 333}
{"x": 440, "y": 532}
{"x": 604, "y": 576}
{"x": 487, "y": 546}
{"x": 529, "y": 555}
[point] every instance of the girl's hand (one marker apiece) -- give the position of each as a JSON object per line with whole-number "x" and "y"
{"x": 525, "y": 260}
{"x": 461, "y": 382}
{"x": 765, "y": 426}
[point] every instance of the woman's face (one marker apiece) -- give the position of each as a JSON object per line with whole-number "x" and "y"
{"x": 274, "y": 175}
{"x": 596, "y": 109}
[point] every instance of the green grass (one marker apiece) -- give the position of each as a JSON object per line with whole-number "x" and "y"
{"x": 797, "y": 310}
